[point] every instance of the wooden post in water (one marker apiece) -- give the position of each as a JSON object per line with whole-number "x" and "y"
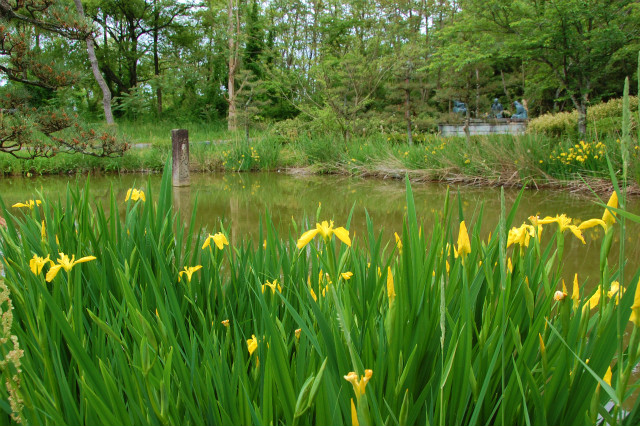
{"x": 180, "y": 157}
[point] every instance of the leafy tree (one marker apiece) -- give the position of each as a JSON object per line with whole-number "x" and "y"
{"x": 576, "y": 41}
{"x": 131, "y": 29}
{"x": 31, "y": 125}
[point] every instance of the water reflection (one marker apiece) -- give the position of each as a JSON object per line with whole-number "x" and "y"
{"x": 238, "y": 201}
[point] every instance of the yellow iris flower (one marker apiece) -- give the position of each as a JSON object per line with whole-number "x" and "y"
{"x": 326, "y": 230}
{"x": 520, "y": 236}
{"x": 398, "y": 242}
{"x": 561, "y": 294}
{"x": 359, "y": 385}
{"x": 354, "y": 415}
{"x": 609, "y": 217}
{"x": 575, "y": 295}
{"x": 564, "y": 223}
{"x": 346, "y": 275}
{"x": 635, "y": 308}
{"x": 613, "y": 291}
{"x": 37, "y": 262}
{"x": 464, "y": 245}
{"x": 65, "y": 263}
{"x": 391, "y": 291}
{"x": 252, "y": 344}
{"x": 189, "y": 270}
{"x": 219, "y": 239}
{"x": 135, "y": 195}
{"x": 29, "y": 203}
{"x": 607, "y": 376}
{"x": 273, "y": 285}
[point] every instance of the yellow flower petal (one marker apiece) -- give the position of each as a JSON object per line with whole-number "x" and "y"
{"x": 220, "y": 240}
{"x": 594, "y": 300}
{"x": 575, "y": 296}
{"x": 252, "y": 344}
{"x": 325, "y": 229}
{"x": 354, "y": 415}
{"x": 607, "y": 376}
{"x": 635, "y": 308}
{"x": 609, "y": 217}
{"x": 577, "y": 232}
{"x": 37, "y": 263}
{"x": 343, "y": 235}
{"x": 84, "y": 259}
{"x": 306, "y": 238}
{"x": 398, "y": 242}
{"x": 53, "y": 271}
{"x": 347, "y": 275}
{"x": 391, "y": 292}
{"x": 592, "y": 223}
{"x": 464, "y": 245}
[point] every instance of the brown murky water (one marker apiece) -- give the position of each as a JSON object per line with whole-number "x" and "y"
{"x": 240, "y": 200}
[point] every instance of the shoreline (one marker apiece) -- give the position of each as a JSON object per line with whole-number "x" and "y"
{"x": 435, "y": 176}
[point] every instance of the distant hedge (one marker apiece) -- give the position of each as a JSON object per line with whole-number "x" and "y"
{"x": 602, "y": 118}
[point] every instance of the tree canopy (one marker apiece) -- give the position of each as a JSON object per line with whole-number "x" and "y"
{"x": 350, "y": 66}
{"x": 34, "y": 37}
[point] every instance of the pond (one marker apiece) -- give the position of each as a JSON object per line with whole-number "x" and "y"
{"x": 240, "y": 200}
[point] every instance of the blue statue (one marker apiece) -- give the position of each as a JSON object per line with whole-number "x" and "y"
{"x": 520, "y": 111}
{"x": 496, "y": 109}
{"x": 459, "y": 107}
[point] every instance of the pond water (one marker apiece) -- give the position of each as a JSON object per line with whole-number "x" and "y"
{"x": 240, "y": 200}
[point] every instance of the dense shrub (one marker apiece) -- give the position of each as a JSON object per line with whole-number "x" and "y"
{"x": 602, "y": 118}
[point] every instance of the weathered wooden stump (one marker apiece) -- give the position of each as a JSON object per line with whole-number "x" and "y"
{"x": 180, "y": 157}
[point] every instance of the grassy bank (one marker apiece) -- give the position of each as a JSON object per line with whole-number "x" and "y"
{"x": 157, "y": 323}
{"x": 535, "y": 160}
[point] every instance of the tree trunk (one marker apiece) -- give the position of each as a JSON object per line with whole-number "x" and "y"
{"x": 106, "y": 93}
{"x": 504, "y": 89}
{"x": 232, "y": 118}
{"x": 133, "y": 60}
{"x": 477, "y": 93}
{"x": 156, "y": 58}
{"x": 467, "y": 133}
{"x": 407, "y": 111}
{"x": 582, "y": 119}
{"x": 581, "y": 106}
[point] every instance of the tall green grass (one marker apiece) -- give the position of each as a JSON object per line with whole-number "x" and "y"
{"x": 471, "y": 339}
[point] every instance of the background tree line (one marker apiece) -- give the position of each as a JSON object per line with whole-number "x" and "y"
{"x": 348, "y": 67}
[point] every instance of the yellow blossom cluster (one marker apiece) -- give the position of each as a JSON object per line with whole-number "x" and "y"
{"x": 432, "y": 150}
{"x": 254, "y": 154}
{"x": 579, "y": 153}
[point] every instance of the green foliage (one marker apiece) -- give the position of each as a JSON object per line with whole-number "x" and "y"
{"x": 131, "y": 340}
{"x": 256, "y": 154}
{"x": 604, "y": 118}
